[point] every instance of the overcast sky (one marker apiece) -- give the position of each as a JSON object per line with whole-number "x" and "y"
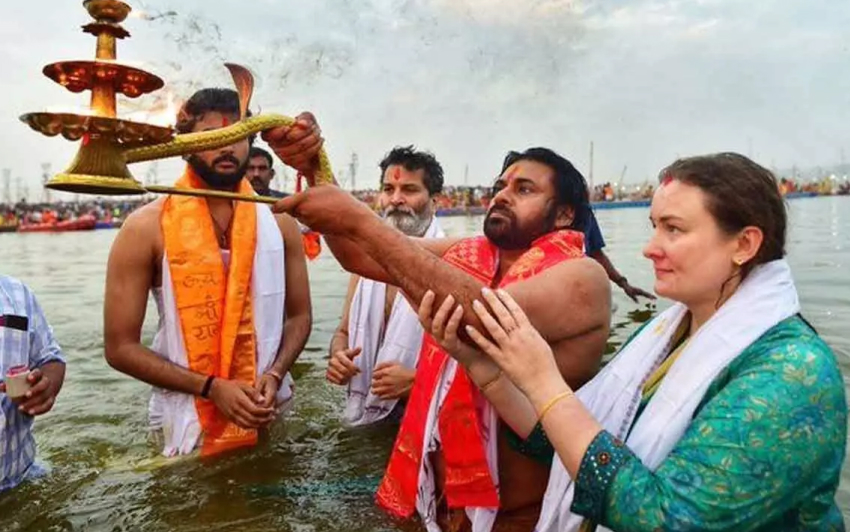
{"x": 645, "y": 80}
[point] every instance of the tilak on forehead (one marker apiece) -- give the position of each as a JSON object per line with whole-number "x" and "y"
{"x": 667, "y": 178}
{"x": 511, "y": 175}
{"x": 395, "y": 175}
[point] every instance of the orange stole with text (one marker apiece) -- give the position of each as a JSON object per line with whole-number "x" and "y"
{"x": 214, "y": 306}
{"x": 468, "y": 481}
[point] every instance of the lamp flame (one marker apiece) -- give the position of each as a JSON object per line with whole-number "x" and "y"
{"x": 163, "y": 112}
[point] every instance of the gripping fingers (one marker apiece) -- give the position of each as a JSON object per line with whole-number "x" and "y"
{"x": 349, "y": 366}
{"x": 440, "y": 317}
{"x": 453, "y": 324}
{"x": 34, "y": 409}
{"x": 519, "y": 316}
{"x": 426, "y": 307}
{"x": 499, "y": 310}
{"x": 305, "y": 159}
{"x": 490, "y": 323}
{"x": 245, "y": 421}
{"x": 295, "y": 149}
{"x": 482, "y": 342}
{"x": 286, "y": 205}
{"x": 256, "y": 414}
{"x": 333, "y": 376}
{"x": 241, "y": 417}
{"x": 276, "y": 135}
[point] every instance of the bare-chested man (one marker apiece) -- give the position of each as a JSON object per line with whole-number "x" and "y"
{"x": 451, "y": 453}
{"x": 376, "y": 346}
{"x": 230, "y": 283}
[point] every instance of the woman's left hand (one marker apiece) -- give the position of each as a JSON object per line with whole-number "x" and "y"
{"x": 524, "y": 356}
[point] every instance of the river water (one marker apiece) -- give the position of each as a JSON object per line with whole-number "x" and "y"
{"x": 313, "y": 475}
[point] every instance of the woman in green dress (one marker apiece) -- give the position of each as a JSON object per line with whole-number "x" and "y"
{"x": 725, "y": 412}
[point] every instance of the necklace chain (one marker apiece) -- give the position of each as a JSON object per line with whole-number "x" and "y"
{"x": 222, "y": 233}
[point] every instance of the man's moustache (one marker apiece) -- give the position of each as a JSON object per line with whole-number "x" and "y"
{"x": 502, "y": 210}
{"x": 401, "y": 211}
{"x": 226, "y": 159}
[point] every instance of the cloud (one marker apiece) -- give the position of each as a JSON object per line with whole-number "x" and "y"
{"x": 646, "y": 80}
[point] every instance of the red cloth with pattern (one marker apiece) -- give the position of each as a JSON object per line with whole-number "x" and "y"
{"x": 468, "y": 482}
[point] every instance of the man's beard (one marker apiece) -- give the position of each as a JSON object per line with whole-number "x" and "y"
{"x": 261, "y": 188}
{"x": 217, "y": 179}
{"x": 408, "y": 221}
{"x": 507, "y": 233}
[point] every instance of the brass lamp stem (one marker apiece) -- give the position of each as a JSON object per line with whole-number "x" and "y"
{"x": 103, "y": 90}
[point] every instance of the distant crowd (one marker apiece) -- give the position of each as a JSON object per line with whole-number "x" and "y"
{"x": 23, "y": 213}
{"x": 452, "y": 198}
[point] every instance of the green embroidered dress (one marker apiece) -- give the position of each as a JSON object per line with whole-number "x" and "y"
{"x": 763, "y": 452}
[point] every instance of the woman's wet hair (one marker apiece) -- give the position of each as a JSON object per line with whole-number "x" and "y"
{"x": 740, "y": 193}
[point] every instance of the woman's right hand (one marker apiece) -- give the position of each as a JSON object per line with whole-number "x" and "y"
{"x": 443, "y": 327}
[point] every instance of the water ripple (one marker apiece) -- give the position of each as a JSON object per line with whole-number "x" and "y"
{"x": 314, "y": 475}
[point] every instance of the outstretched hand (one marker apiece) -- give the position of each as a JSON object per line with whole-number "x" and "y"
{"x": 326, "y": 209}
{"x": 633, "y": 292}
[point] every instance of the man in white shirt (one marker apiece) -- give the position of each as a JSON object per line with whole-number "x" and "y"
{"x": 376, "y": 346}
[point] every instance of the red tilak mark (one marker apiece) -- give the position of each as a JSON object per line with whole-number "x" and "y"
{"x": 396, "y": 174}
{"x": 86, "y": 139}
{"x": 511, "y": 175}
{"x": 666, "y": 179}
{"x": 224, "y": 121}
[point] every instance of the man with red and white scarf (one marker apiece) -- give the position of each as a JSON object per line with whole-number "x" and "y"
{"x": 454, "y": 462}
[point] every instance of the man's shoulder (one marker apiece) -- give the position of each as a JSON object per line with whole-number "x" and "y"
{"x": 145, "y": 216}
{"x": 141, "y": 230}
{"x": 287, "y": 224}
{"x": 582, "y": 277}
{"x": 16, "y": 288}
{"x": 145, "y": 222}
{"x": 584, "y": 268}
{"x": 439, "y": 246}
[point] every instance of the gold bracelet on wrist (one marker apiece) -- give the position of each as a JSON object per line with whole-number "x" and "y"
{"x": 491, "y": 382}
{"x": 276, "y": 376}
{"x": 552, "y": 402}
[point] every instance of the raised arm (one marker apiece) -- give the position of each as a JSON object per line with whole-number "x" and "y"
{"x": 354, "y": 258}
{"x": 579, "y": 283}
{"x": 416, "y": 268}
